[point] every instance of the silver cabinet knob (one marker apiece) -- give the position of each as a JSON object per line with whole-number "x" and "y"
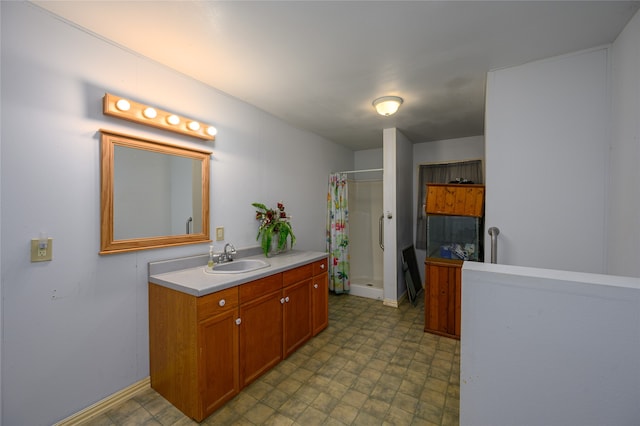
{"x": 315, "y": 286}
{"x": 286, "y": 299}
{"x": 222, "y": 302}
{"x": 282, "y": 300}
{"x": 238, "y": 321}
{"x": 322, "y": 266}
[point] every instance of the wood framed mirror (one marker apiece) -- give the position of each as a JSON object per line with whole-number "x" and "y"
{"x": 153, "y": 194}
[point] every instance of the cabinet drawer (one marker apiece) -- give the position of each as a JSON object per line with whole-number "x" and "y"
{"x": 296, "y": 275}
{"x": 260, "y": 287}
{"x": 320, "y": 266}
{"x": 217, "y": 302}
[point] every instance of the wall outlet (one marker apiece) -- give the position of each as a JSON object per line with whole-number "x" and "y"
{"x": 39, "y": 254}
{"x": 220, "y": 233}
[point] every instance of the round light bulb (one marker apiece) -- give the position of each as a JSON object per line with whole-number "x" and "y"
{"x": 212, "y": 131}
{"x": 193, "y": 125}
{"x": 173, "y": 119}
{"x": 149, "y": 112}
{"x": 123, "y": 105}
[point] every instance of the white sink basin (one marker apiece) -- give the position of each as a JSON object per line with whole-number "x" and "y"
{"x": 237, "y": 266}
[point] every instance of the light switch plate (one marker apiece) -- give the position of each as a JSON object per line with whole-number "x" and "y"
{"x": 43, "y": 255}
{"x": 219, "y": 233}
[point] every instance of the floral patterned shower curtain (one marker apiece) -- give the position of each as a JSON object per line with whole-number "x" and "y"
{"x": 338, "y": 233}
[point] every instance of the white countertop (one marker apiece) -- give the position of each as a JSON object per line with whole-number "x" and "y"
{"x": 197, "y": 282}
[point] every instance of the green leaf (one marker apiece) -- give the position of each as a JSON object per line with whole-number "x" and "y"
{"x": 259, "y": 206}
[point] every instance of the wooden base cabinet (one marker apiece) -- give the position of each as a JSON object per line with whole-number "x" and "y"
{"x": 296, "y": 310}
{"x": 204, "y": 350}
{"x": 193, "y": 346}
{"x": 442, "y": 297}
{"x": 320, "y": 297}
{"x": 261, "y": 327}
{"x": 218, "y": 360}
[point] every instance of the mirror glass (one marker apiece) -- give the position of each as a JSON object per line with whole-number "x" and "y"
{"x": 153, "y": 194}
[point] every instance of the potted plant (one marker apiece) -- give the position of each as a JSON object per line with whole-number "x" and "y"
{"x": 274, "y": 229}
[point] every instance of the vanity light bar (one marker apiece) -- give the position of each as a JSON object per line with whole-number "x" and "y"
{"x": 117, "y": 106}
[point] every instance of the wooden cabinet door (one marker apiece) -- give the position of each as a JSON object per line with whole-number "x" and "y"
{"x": 435, "y": 199}
{"x": 442, "y": 298}
{"x": 473, "y": 201}
{"x": 296, "y": 316}
{"x": 260, "y": 336}
{"x": 456, "y": 199}
{"x": 320, "y": 302}
{"x": 219, "y": 368}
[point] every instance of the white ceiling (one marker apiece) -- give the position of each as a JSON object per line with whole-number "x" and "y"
{"x": 319, "y": 64}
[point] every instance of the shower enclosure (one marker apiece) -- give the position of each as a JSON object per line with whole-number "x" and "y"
{"x": 365, "y": 240}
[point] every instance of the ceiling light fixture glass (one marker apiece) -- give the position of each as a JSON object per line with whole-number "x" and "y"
{"x": 149, "y": 112}
{"x": 123, "y": 105}
{"x": 173, "y": 120}
{"x": 387, "y": 105}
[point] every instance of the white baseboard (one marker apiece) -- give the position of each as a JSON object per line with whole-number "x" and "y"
{"x": 395, "y": 303}
{"x": 365, "y": 291}
{"x": 106, "y": 404}
{"x": 390, "y": 302}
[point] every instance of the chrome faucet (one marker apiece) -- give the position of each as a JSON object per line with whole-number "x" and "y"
{"x": 227, "y": 254}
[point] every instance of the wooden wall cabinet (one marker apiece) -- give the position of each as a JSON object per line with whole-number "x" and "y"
{"x": 204, "y": 350}
{"x": 455, "y": 199}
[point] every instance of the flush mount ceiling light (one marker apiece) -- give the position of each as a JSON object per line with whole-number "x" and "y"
{"x": 387, "y": 105}
{"x": 127, "y": 109}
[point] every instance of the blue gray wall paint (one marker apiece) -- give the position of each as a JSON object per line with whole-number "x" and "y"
{"x": 76, "y": 329}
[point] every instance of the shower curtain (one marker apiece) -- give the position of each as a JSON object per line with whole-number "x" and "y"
{"x": 338, "y": 233}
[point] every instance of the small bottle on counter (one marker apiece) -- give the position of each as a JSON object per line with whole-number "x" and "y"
{"x": 210, "y": 263}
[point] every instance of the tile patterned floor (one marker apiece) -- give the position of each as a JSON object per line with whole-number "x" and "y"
{"x": 373, "y": 365}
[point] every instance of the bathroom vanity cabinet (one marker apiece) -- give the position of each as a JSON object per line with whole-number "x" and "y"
{"x": 454, "y": 218}
{"x": 204, "y": 350}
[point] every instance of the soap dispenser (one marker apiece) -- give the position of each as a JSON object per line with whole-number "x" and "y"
{"x": 210, "y": 263}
